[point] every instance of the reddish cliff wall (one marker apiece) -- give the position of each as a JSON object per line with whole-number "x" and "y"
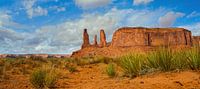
{"x": 196, "y": 40}
{"x": 128, "y": 37}
{"x": 135, "y": 39}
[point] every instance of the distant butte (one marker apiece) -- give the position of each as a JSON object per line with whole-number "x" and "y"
{"x": 128, "y": 39}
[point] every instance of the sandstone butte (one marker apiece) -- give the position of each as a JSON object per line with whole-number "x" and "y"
{"x": 134, "y": 39}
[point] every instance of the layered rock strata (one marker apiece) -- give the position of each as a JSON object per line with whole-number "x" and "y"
{"x": 128, "y": 39}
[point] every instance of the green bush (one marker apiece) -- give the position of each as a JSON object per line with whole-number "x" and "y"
{"x": 132, "y": 64}
{"x": 110, "y": 70}
{"x": 180, "y": 60}
{"x": 193, "y": 58}
{"x": 72, "y": 69}
{"x": 37, "y": 79}
{"x": 42, "y": 78}
{"x": 51, "y": 78}
{"x": 161, "y": 59}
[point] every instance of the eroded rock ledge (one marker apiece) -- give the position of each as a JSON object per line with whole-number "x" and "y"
{"x": 128, "y": 39}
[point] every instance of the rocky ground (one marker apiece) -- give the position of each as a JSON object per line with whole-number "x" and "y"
{"x": 93, "y": 76}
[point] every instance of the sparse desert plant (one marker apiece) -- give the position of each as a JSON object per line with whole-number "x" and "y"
{"x": 180, "y": 60}
{"x": 193, "y": 58}
{"x": 161, "y": 58}
{"x": 72, "y": 69}
{"x": 51, "y": 78}
{"x": 110, "y": 70}
{"x": 105, "y": 60}
{"x": 44, "y": 77}
{"x": 37, "y": 78}
{"x": 132, "y": 64}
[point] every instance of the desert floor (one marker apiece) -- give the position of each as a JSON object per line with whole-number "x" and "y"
{"x": 93, "y": 76}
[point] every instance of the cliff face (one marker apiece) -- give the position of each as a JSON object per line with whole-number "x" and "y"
{"x": 196, "y": 40}
{"x": 129, "y": 37}
{"x": 135, "y": 39}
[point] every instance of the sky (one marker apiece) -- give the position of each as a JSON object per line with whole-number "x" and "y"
{"x": 56, "y": 26}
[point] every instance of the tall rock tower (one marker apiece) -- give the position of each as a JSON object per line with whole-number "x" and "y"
{"x": 102, "y": 38}
{"x": 95, "y": 41}
{"x": 86, "y": 41}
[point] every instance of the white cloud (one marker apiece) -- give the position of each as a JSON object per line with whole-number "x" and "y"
{"x": 195, "y": 28}
{"x": 33, "y": 11}
{"x": 6, "y": 21}
{"x": 88, "y": 4}
{"x": 57, "y": 8}
{"x": 193, "y": 14}
{"x": 67, "y": 36}
{"x": 141, "y": 2}
{"x": 169, "y": 18}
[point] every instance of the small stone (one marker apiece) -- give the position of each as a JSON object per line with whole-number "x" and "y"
{"x": 141, "y": 82}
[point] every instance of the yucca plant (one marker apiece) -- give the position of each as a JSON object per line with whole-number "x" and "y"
{"x": 161, "y": 59}
{"x": 193, "y": 58}
{"x": 180, "y": 60}
{"x": 132, "y": 64}
{"x": 110, "y": 70}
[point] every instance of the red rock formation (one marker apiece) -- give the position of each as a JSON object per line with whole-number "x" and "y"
{"x": 95, "y": 41}
{"x": 102, "y": 38}
{"x": 86, "y": 41}
{"x": 138, "y": 39}
{"x": 196, "y": 40}
{"x": 129, "y": 37}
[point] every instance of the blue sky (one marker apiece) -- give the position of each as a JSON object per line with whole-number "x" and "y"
{"x": 55, "y": 26}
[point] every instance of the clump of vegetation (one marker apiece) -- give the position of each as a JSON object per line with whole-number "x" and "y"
{"x": 51, "y": 78}
{"x": 42, "y": 78}
{"x": 180, "y": 60}
{"x": 110, "y": 70}
{"x": 38, "y": 79}
{"x": 161, "y": 58}
{"x": 193, "y": 58}
{"x": 72, "y": 69}
{"x": 132, "y": 64}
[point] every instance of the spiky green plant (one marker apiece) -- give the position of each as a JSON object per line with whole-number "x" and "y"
{"x": 193, "y": 58}
{"x": 110, "y": 70}
{"x": 180, "y": 60}
{"x": 132, "y": 64}
{"x": 161, "y": 59}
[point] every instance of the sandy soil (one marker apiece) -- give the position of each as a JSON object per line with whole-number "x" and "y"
{"x": 94, "y": 77}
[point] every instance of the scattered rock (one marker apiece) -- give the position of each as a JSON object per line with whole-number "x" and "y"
{"x": 178, "y": 82}
{"x": 141, "y": 82}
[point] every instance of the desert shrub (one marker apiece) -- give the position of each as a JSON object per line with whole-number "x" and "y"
{"x": 51, "y": 78}
{"x": 162, "y": 58}
{"x": 37, "y": 79}
{"x": 193, "y": 58}
{"x": 105, "y": 60}
{"x": 72, "y": 69}
{"x": 131, "y": 64}
{"x": 42, "y": 78}
{"x": 152, "y": 60}
{"x": 180, "y": 60}
{"x": 110, "y": 70}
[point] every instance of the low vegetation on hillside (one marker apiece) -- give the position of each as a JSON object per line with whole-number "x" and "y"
{"x": 44, "y": 73}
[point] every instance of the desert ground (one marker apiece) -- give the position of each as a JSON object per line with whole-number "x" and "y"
{"x": 16, "y": 74}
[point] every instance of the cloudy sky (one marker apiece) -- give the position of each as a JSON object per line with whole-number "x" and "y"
{"x": 55, "y": 26}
